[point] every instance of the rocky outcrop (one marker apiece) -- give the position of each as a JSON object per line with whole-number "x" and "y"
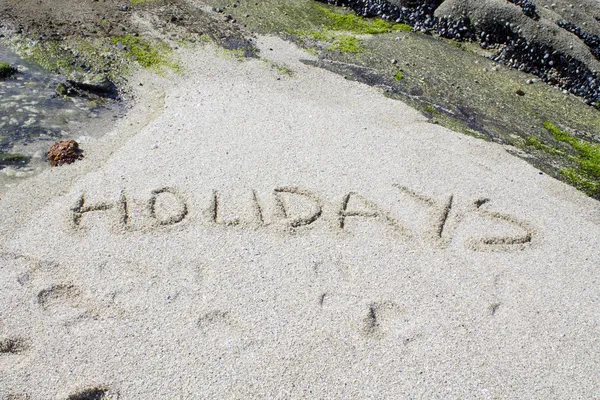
{"x": 555, "y": 41}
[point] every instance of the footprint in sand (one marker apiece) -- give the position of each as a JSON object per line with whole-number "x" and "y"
{"x": 373, "y": 320}
{"x": 221, "y": 328}
{"x": 65, "y": 302}
{"x": 214, "y": 322}
{"x": 13, "y": 346}
{"x": 9, "y": 347}
{"x": 17, "y": 396}
{"x": 380, "y": 318}
{"x": 94, "y": 393}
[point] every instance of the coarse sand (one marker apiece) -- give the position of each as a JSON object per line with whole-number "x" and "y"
{"x": 270, "y": 230}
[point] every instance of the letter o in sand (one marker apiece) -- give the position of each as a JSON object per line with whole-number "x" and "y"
{"x": 167, "y": 206}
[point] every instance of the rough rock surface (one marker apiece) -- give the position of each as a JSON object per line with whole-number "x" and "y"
{"x": 6, "y": 70}
{"x": 557, "y": 41}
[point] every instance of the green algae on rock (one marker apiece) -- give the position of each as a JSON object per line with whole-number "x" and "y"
{"x": 347, "y": 44}
{"x": 355, "y": 24}
{"x": 6, "y": 70}
{"x": 145, "y": 53}
{"x": 12, "y": 159}
{"x": 585, "y": 174}
{"x": 79, "y": 60}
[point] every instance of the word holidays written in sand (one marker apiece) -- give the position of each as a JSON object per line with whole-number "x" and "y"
{"x": 295, "y": 209}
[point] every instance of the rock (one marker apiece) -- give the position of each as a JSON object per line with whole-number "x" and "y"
{"x": 532, "y": 38}
{"x": 66, "y": 152}
{"x": 408, "y": 3}
{"x": 99, "y": 85}
{"x": 6, "y": 70}
{"x": 63, "y": 90}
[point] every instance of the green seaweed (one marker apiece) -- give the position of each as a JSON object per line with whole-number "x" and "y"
{"x": 351, "y": 22}
{"x": 12, "y": 158}
{"x": 78, "y": 59}
{"x": 317, "y": 36}
{"x": 148, "y": 55}
{"x": 398, "y": 76}
{"x": 580, "y": 181}
{"x": 334, "y": 23}
{"x": 347, "y": 44}
{"x": 431, "y": 110}
{"x": 340, "y": 42}
{"x": 586, "y": 173}
{"x": 51, "y": 56}
{"x": 538, "y": 145}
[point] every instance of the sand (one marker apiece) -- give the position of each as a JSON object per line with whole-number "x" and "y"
{"x": 246, "y": 234}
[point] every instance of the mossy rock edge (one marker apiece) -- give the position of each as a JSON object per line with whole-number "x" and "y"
{"x": 6, "y": 70}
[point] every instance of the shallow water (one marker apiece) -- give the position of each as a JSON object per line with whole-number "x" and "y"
{"x": 32, "y": 117}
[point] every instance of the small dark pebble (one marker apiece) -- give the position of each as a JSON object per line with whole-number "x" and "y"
{"x": 520, "y": 92}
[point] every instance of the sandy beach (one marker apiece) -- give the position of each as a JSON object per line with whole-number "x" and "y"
{"x": 250, "y": 234}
